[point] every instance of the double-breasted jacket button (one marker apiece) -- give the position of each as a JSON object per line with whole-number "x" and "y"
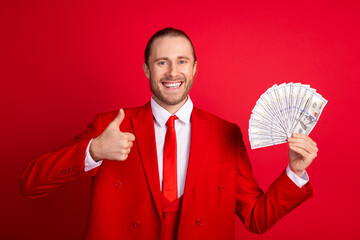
{"x": 117, "y": 184}
{"x": 199, "y": 222}
{"x": 221, "y": 188}
{"x": 136, "y": 224}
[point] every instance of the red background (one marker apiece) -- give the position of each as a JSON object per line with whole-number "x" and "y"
{"x": 64, "y": 61}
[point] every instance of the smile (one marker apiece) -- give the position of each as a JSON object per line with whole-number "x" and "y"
{"x": 172, "y": 84}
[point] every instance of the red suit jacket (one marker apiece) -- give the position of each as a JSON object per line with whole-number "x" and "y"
{"x": 126, "y": 198}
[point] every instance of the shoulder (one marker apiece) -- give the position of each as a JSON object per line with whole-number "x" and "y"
{"x": 215, "y": 121}
{"x": 104, "y": 118}
{"x": 129, "y": 112}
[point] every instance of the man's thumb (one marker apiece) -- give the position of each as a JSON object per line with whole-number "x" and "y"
{"x": 119, "y": 118}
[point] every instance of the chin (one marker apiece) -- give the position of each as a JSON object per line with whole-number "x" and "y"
{"x": 170, "y": 101}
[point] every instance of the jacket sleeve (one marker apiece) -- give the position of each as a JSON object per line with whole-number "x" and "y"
{"x": 258, "y": 210}
{"x": 48, "y": 172}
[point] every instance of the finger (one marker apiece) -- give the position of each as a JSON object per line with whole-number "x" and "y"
{"x": 303, "y": 136}
{"x": 125, "y": 143}
{"x": 300, "y": 151}
{"x": 306, "y": 141}
{"x": 304, "y": 153}
{"x": 309, "y": 142}
{"x": 123, "y": 157}
{"x": 308, "y": 148}
{"x": 125, "y": 151}
{"x": 119, "y": 118}
{"x": 130, "y": 136}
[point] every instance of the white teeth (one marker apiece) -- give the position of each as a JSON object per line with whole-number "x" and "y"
{"x": 172, "y": 85}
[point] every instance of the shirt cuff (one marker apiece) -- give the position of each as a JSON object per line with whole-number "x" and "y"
{"x": 299, "y": 181}
{"x": 89, "y": 161}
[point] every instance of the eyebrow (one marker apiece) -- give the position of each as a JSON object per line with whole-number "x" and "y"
{"x": 165, "y": 58}
{"x": 183, "y": 57}
{"x": 161, "y": 58}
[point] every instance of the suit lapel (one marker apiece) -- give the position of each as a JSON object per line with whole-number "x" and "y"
{"x": 143, "y": 125}
{"x": 198, "y": 146}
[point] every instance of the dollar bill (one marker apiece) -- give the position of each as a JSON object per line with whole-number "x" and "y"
{"x": 282, "y": 110}
{"x": 310, "y": 116}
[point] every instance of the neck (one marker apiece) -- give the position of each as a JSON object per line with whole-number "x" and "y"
{"x": 170, "y": 108}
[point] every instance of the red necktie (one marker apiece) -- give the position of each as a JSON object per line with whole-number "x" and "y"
{"x": 169, "y": 162}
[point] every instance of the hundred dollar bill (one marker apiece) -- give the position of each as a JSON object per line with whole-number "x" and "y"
{"x": 264, "y": 143}
{"x": 258, "y": 120}
{"x": 260, "y": 130}
{"x": 304, "y": 98}
{"x": 282, "y": 110}
{"x": 287, "y": 89}
{"x": 292, "y": 102}
{"x": 266, "y": 102}
{"x": 282, "y": 102}
{"x": 310, "y": 116}
{"x": 263, "y": 135}
{"x": 264, "y": 113}
{"x": 275, "y": 102}
{"x": 298, "y": 91}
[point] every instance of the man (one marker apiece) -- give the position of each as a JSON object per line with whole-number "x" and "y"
{"x": 168, "y": 170}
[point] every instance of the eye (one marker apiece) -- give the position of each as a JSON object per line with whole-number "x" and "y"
{"x": 162, "y": 63}
{"x": 182, "y": 61}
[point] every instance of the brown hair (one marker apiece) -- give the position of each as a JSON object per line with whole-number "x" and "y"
{"x": 169, "y": 31}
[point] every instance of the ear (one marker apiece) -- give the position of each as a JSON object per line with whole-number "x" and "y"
{"x": 194, "y": 68}
{"x": 146, "y": 70}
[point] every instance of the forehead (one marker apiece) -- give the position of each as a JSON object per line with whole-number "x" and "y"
{"x": 171, "y": 47}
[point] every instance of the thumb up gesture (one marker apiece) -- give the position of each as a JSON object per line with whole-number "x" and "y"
{"x": 112, "y": 144}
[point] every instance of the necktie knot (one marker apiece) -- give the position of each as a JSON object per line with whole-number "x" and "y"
{"x": 171, "y": 121}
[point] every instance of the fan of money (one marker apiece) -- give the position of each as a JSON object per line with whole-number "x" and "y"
{"x": 282, "y": 110}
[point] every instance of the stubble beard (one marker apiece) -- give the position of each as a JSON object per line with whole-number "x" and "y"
{"x": 170, "y": 99}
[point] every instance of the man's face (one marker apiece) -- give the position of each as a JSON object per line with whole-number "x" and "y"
{"x": 170, "y": 70}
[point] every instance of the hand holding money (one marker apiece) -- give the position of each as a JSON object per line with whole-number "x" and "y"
{"x": 282, "y": 110}
{"x": 302, "y": 151}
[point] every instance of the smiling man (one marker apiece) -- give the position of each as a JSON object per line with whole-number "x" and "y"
{"x": 170, "y": 67}
{"x": 168, "y": 170}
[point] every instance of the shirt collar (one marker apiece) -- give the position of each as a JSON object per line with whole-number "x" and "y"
{"x": 161, "y": 115}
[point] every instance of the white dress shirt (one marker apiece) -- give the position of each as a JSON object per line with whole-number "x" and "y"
{"x": 183, "y": 134}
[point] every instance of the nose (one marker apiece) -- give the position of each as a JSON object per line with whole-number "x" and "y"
{"x": 173, "y": 71}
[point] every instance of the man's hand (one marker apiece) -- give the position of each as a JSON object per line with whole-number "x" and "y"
{"x": 112, "y": 144}
{"x": 302, "y": 151}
